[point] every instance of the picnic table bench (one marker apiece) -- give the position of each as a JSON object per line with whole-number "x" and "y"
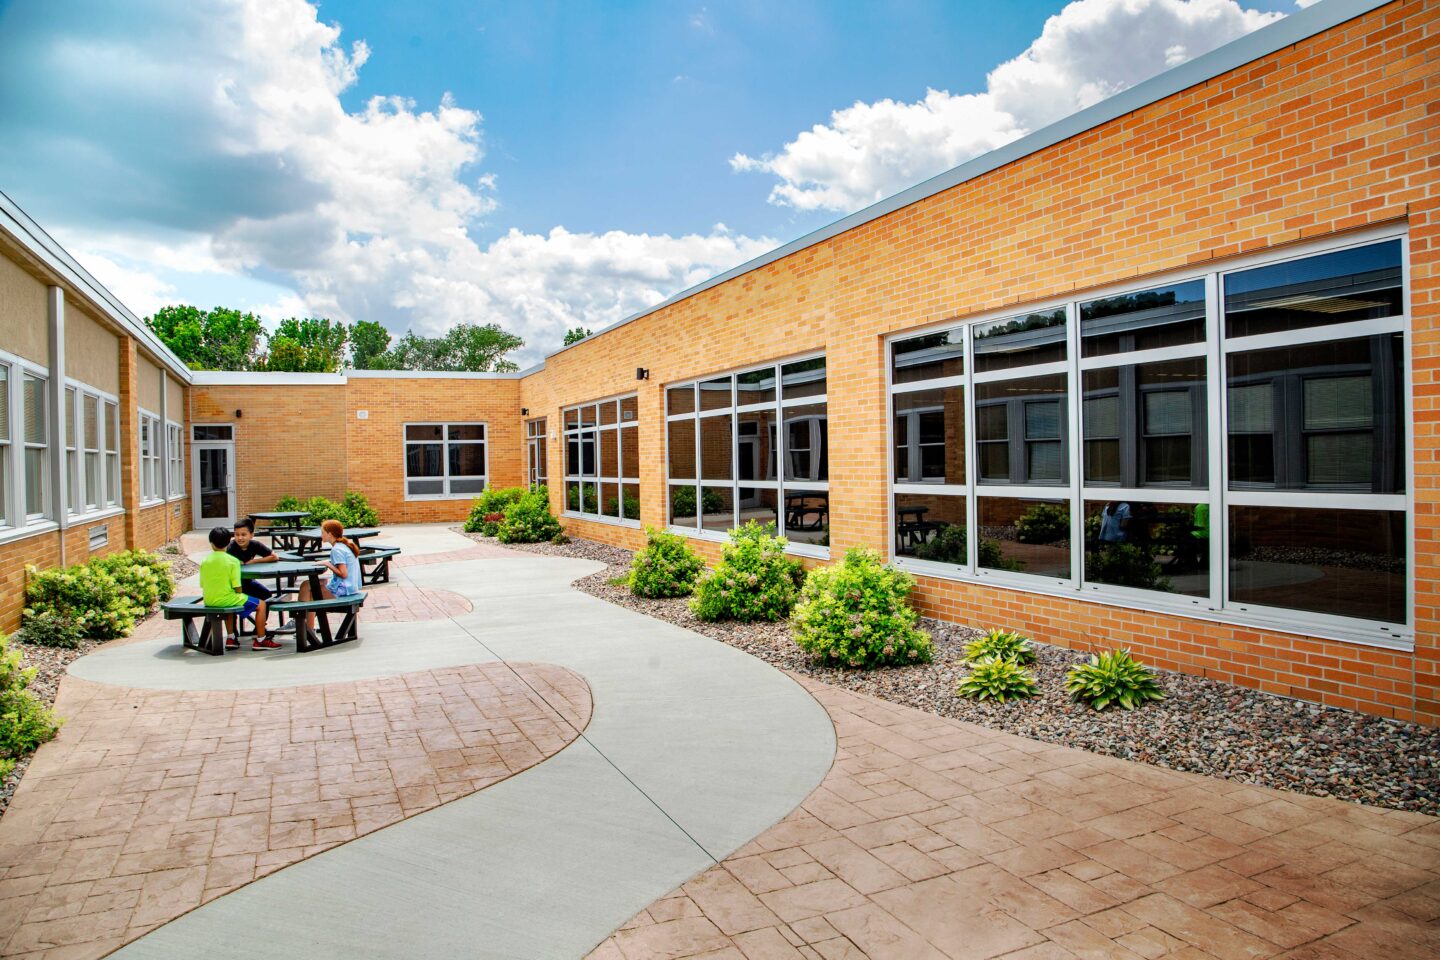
{"x": 305, "y": 638}
{"x": 309, "y": 539}
{"x": 374, "y": 562}
{"x": 211, "y": 637}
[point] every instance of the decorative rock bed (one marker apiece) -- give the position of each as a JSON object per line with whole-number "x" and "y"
{"x": 1202, "y": 726}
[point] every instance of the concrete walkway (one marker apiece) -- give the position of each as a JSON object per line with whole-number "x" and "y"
{"x": 693, "y": 749}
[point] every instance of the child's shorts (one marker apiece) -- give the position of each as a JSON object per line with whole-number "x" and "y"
{"x": 251, "y": 605}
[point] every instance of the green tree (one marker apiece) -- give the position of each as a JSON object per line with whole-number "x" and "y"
{"x": 576, "y": 334}
{"x": 368, "y": 342}
{"x": 312, "y": 345}
{"x": 464, "y": 347}
{"x": 218, "y": 339}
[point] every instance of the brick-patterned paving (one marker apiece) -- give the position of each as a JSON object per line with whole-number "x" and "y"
{"x": 477, "y": 551}
{"x": 398, "y": 603}
{"x": 153, "y": 802}
{"x": 933, "y": 839}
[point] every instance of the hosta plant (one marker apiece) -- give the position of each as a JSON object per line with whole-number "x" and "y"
{"x": 667, "y": 567}
{"x": 1113, "y": 678}
{"x": 999, "y": 680}
{"x": 1001, "y": 645}
{"x": 857, "y": 614}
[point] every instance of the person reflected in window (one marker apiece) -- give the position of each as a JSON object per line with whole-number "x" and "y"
{"x": 1115, "y": 522}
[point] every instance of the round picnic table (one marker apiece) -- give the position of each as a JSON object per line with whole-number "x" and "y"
{"x": 289, "y": 569}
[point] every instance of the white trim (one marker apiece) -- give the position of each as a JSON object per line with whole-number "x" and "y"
{"x": 1059, "y": 368}
{"x": 31, "y": 529}
{"x": 1182, "y": 495}
{"x": 218, "y": 378}
{"x": 599, "y": 518}
{"x": 1186, "y": 351}
{"x": 1313, "y": 500}
{"x": 1322, "y": 334}
{"x": 432, "y": 374}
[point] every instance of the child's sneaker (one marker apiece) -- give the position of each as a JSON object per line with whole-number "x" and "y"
{"x": 265, "y": 644}
{"x": 232, "y": 642}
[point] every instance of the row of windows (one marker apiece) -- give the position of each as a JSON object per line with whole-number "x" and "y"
{"x": 602, "y": 459}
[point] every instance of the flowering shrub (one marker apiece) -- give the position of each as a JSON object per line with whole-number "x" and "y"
{"x": 754, "y": 581}
{"x": 1113, "y": 678}
{"x": 528, "y": 519}
{"x": 997, "y": 679}
{"x": 102, "y": 598}
{"x": 1000, "y": 645}
{"x": 25, "y": 723}
{"x": 856, "y": 614}
{"x": 667, "y": 567}
{"x": 143, "y": 576}
{"x": 488, "y": 509}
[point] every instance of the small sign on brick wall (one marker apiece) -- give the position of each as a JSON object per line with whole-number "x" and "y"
{"x": 362, "y": 414}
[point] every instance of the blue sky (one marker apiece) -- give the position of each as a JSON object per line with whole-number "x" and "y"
{"x": 532, "y": 164}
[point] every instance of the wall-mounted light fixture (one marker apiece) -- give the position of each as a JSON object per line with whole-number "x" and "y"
{"x": 237, "y": 414}
{"x": 642, "y": 374}
{"x": 524, "y": 411}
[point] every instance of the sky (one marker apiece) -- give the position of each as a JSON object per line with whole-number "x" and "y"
{"x": 539, "y": 165}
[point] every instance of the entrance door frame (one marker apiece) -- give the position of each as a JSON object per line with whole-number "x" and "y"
{"x": 196, "y": 446}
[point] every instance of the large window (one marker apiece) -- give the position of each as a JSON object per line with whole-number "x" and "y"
{"x": 150, "y": 443}
{"x": 85, "y": 439}
{"x": 35, "y": 433}
{"x": 72, "y": 452}
{"x": 444, "y": 460}
{"x": 755, "y": 445}
{"x": 1239, "y": 449}
{"x": 537, "y": 471}
{"x": 175, "y": 457}
{"x": 112, "y": 453}
{"x": 91, "y": 475}
{"x": 602, "y": 459}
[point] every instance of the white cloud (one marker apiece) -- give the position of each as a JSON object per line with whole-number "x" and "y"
{"x": 209, "y": 137}
{"x": 1090, "y": 50}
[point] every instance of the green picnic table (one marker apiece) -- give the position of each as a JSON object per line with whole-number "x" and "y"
{"x": 282, "y": 525}
{"x": 291, "y": 570}
{"x": 310, "y": 539}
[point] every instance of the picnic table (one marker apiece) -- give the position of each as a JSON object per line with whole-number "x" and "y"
{"x": 310, "y": 539}
{"x": 291, "y": 570}
{"x": 282, "y": 525}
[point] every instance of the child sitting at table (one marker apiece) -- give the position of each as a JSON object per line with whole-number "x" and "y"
{"x": 220, "y": 587}
{"x": 343, "y": 564}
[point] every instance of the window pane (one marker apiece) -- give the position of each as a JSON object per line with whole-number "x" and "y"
{"x": 572, "y": 455}
{"x": 609, "y": 500}
{"x": 630, "y": 501}
{"x": 1319, "y": 415}
{"x": 803, "y": 378}
{"x": 425, "y": 431}
{"x": 467, "y": 459}
{"x": 92, "y": 480}
{"x": 680, "y": 399}
{"x": 931, "y": 528}
{"x": 760, "y": 505}
{"x": 572, "y": 419}
{"x": 717, "y": 509}
{"x": 757, "y": 386}
{"x": 1044, "y": 461}
{"x": 682, "y": 506}
{"x": 92, "y": 424}
{"x": 1042, "y": 420}
{"x": 607, "y": 412}
{"x": 1168, "y": 412}
{"x": 1037, "y": 404}
{"x": 34, "y": 426}
{"x": 423, "y": 460}
{"x": 1101, "y": 415}
{"x": 609, "y": 454}
{"x": 466, "y": 431}
{"x": 682, "y": 449}
{"x": 4, "y": 411}
{"x": 1145, "y": 320}
{"x": 807, "y": 443}
{"x": 71, "y": 437}
{"x": 934, "y": 449}
{"x": 1102, "y": 461}
{"x": 630, "y": 453}
{"x": 35, "y": 485}
{"x": 1020, "y": 341}
{"x": 202, "y": 433}
{"x": 940, "y": 354}
{"x": 572, "y": 496}
{"x": 755, "y": 446}
{"x": 588, "y": 461}
{"x": 1347, "y": 563}
{"x": 1148, "y": 546}
{"x": 807, "y": 516}
{"x": 715, "y": 394}
{"x": 1031, "y": 536}
{"x": 1363, "y": 283}
{"x": 467, "y": 484}
{"x": 715, "y": 455}
{"x": 629, "y": 409}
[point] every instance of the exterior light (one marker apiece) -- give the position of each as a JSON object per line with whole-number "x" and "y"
{"x": 524, "y": 411}
{"x": 642, "y": 374}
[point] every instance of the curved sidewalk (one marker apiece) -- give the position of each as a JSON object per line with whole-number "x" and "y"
{"x": 693, "y": 749}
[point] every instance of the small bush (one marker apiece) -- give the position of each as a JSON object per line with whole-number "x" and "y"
{"x": 51, "y": 630}
{"x": 288, "y": 504}
{"x": 1125, "y": 565}
{"x": 25, "y": 723}
{"x": 754, "y": 581}
{"x": 488, "y": 509}
{"x": 1043, "y": 523}
{"x": 143, "y": 576}
{"x": 999, "y": 680}
{"x": 1000, "y": 645}
{"x": 353, "y": 510}
{"x": 667, "y": 567}
{"x": 357, "y": 510}
{"x": 87, "y": 594}
{"x": 560, "y": 540}
{"x": 949, "y": 546}
{"x": 856, "y": 613}
{"x": 529, "y": 520}
{"x": 683, "y": 501}
{"x": 1113, "y": 678}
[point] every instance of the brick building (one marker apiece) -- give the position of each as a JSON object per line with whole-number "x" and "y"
{"x": 1160, "y": 375}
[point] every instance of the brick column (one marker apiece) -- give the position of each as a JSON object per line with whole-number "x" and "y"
{"x": 129, "y": 441}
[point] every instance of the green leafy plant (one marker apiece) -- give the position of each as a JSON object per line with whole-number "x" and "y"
{"x": 856, "y": 614}
{"x": 560, "y": 539}
{"x": 591, "y": 499}
{"x": 288, "y": 504}
{"x": 1125, "y": 565}
{"x": 353, "y": 510}
{"x": 357, "y": 510}
{"x": 682, "y": 502}
{"x": 667, "y": 567}
{"x": 51, "y": 630}
{"x": 1000, "y": 645}
{"x": 1043, "y": 523}
{"x": 529, "y": 520}
{"x": 1113, "y": 678}
{"x": 488, "y": 509}
{"x": 754, "y": 581}
{"x": 949, "y": 546}
{"x": 143, "y": 576}
{"x": 25, "y": 722}
{"x": 997, "y": 679}
{"x": 87, "y": 594}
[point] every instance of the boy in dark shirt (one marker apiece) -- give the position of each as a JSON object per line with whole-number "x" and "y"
{"x": 247, "y": 549}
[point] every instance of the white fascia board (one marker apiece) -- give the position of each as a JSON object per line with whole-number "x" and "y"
{"x": 232, "y": 378}
{"x": 433, "y": 375}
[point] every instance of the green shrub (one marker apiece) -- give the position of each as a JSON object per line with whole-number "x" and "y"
{"x": 683, "y": 501}
{"x": 143, "y": 576}
{"x": 51, "y": 630}
{"x": 87, "y": 594}
{"x": 25, "y": 723}
{"x": 358, "y": 512}
{"x": 528, "y": 519}
{"x": 288, "y": 504}
{"x": 667, "y": 567}
{"x": 1125, "y": 565}
{"x": 591, "y": 499}
{"x": 1000, "y": 645}
{"x": 353, "y": 510}
{"x": 1043, "y": 523}
{"x": 488, "y": 509}
{"x": 997, "y": 679}
{"x": 856, "y": 613}
{"x": 949, "y": 546}
{"x": 754, "y": 581}
{"x": 1113, "y": 678}
{"x": 560, "y": 540}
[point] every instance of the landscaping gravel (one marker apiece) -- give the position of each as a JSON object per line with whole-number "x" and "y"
{"x": 50, "y": 664}
{"x": 1202, "y": 726}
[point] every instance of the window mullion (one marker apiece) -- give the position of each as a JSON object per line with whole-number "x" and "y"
{"x": 1075, "y": 397}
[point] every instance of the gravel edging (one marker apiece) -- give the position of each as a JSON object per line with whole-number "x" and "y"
{"x": 1203, "y": 726}
{"x": 51, "y": 663}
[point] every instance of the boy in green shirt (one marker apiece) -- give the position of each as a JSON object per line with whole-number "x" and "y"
{"x": 220, "y": 587}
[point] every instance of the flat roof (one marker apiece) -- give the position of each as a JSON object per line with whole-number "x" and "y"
{"x": 1292, "y": 29}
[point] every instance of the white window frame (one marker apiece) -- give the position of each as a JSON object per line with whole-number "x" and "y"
{"x": 597, "y": 481}
{"x": 150, "y": 442}
{"x": 110, "y": 451}
{"x": 15, "y": 524}
{"x": 537, "y": 436}
{"x": 103, "y": 499}
{"x": 779, "y": 442}
{"x": 445, "y": 444}
{"x": 75, "y": 505}
{"x": 48, "y": 498}
{"x": 1217, "y": 607}
{"x": 175, "y": 459}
